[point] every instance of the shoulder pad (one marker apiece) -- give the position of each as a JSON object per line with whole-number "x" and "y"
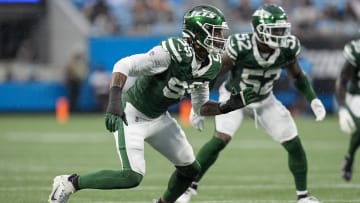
{"x": 352, "y": 51}
{"x": 237, "y": 44}
{"x": 292, "y": 46}
{"x": 180, "y": 51}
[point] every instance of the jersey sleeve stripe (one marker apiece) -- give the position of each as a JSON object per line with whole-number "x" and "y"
{"x": 348, "y": 55}
{"x": 174, "y": 51}
{"x": 230, "y": 50}
{"x": 298, "y": 50}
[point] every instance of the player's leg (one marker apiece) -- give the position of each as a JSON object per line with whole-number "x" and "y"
{"x": 132, "y": 162}
{"x": 130, "y": 147}
{"x": 348, "y": 162}
{"x": 353, "y": 103}
{"x": 225, "y": 127}
{"x": 173, "y": 144}
{"x": 276, "y": 120}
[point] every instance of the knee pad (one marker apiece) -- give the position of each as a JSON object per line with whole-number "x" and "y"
{"x": 189, "y": 171}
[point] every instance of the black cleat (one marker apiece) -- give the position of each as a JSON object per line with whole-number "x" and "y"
{"x": 346, "y": 170}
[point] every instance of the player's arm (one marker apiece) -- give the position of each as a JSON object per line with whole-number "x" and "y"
{"x": 340, "y": 87}
{"x": 153, "y": 62}
{"x": 226, "y": 66}
{"x": 236, "y": 101}
{"x": 200, "y": 95}
{"x": 301, "y": 81}
{"x": 303, "y": 85}
{"x": 346, "y": 121}
{"x": 114, "y": 111}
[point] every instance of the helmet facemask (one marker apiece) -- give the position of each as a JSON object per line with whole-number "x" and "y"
{"x": 215, "y": 41}
{"x": 273, "y": 34}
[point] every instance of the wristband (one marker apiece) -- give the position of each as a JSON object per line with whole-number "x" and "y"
{"x": 115, "y": 95}
{"x": 304, "y": 86}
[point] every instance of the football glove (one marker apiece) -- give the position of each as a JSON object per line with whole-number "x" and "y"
{"x": 347, "y": 124}
{"x": 115, "y": 113}
{"x": 239, "y": 100}
{"x": 318, "y": 109}
{"x": 197, "y": 121}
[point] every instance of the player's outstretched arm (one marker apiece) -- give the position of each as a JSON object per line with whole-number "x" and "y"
{"x": 115, "y": 113}
{"x": 303, "y": 85}
{"x": 346, "y": 121}
{"x": 236, "y": 101}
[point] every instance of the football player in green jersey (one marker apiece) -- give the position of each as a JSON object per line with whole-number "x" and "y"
{"x": 256, "y": 60}
{"x": 347, "y": 93}
{"x": 176, "y": 68}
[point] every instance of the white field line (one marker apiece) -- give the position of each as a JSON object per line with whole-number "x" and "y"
{"x": 203, "y": 187}
{"x": 102, "y": 136}
{"x": 56, "y": 137}
{"x": 150, "y": 188}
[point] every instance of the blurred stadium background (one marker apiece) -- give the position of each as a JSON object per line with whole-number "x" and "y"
{"x": 40, "y": 37}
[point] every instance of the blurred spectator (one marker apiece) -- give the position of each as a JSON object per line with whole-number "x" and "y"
{"x": 26, "y": 51}
{"x": 100, "y": 82}
{"x": 164, "y": 17}
{"x": 75, "y": 73}
{"x": 304, "y": 17}
{"x": 142, "y": 16}
{"x": 244, "y": 11}
{"x": 101, "y": 19}
{"x": 162, "y": 11}
{"x": 351, "y": 12}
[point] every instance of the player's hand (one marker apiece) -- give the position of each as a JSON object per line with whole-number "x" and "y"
{"x": 115, "y": 112}
{"x": 197, "y": 121}
{"x": 318, "y": 108}
{"x": 113, "y": 121}
{"x": 239, "y": 100}
{"x": 248, "y": 96}
{"x": 346, "y": 122}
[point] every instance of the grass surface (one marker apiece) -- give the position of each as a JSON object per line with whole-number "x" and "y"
{"x": 252, "y": 169}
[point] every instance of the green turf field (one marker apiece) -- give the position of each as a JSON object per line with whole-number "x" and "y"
{"x": 252, "y": 169}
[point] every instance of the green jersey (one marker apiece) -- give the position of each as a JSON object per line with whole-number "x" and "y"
{"x": 252, "y": 70}
{"x": 352, "y": 55}
{"x": 154, "y": 94}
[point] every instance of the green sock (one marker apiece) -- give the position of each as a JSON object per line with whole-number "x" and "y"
{"x": 354, "y": 143}
{"x": 108, "y": 179}
{"x": 208, "y": 154}
{"x": 297, "y": 162}
{"x": 180, "y": 180}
